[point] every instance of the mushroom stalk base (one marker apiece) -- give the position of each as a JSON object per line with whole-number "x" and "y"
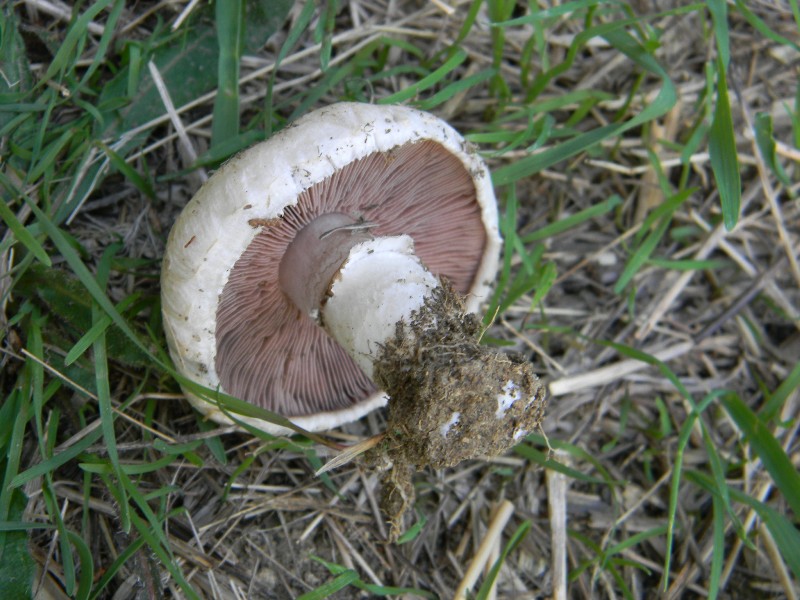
{"x": 451, "y": 399}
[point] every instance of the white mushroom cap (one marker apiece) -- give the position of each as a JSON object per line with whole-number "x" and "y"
{"x": 259, "y": 195}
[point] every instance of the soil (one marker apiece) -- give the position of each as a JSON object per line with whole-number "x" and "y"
{"x": 452, "y": 399}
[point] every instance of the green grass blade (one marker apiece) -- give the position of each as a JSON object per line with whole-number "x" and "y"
{"x": 113, "y": 570}
{"x": 57, "y": 460}
{"x": 470, "y": 16}
{"x": 338, "y": 583}
{"x": 759, "y": 25}
{"x": 230, "y": 20}
{"x": 24, "y": 525}
{"x": 332, "y": 78}
{"x": 48, "y": 157}
{"x": 665, "y": 209}
{"x": 674, "y": 488}
{"x": 784, "y": 531}
{"x": 300, "y": 25}
{"x": 711, "y": 264}
{"x": 232, "y": 407}
{"x": 574, "y": 451}
{"x": 514, "y": 541}
{"x": 578, "y": 44}
{"x": 17, "y": 79}
{"x": 23, "y": 235}
{"x": 722, "y": 153}
{"x": 87, "y": 279}
{"x": 103, "y": 467}
{"x": 174, "y": 449}
{"x": 426, "y": 82}
{"x": 772, "y": 455}
{"x": 663, "y": 102}
{"x": 540, "y": 458}
{"x": 99, "y": 327}
{"x": 561, "y": 10}
{"x": 154, "y": 538}
{"x": 373, "y": 589}
{"x": 86, "y": 576}
{"x": 110, "y": 34}
{"x": 499, "y": 10}
{"x": 508, "y": 229}
{"x": 107, "y": 418}
{"x": 641, "y": 255}
{"x": 324, "y": 32}
{"x": 786, "y": 536}
{"x": 130, "y": 173}
{"x": 458, "y": 86}
{"x": 62, "y": 59}
{"x": 718, "y": 472}
{"x": 677, "y": 478}
{"x": 530, "y": 165}
{"x": 777, "y": 399}
{"x": 13, "y": 450}
{"x": 572, "y": 221}
{"x": 718, "y": 551}
{"x": 412, "y": 533}
{"x": 17, "y": 567}
{"x": 214, "y": 444}
{"x": 67, "y": 559}
{"x": 765, "y": 139}
{"x": 719, "y": 18}
{"x": 545, "y": 281}
{"x": 530, "y": 277}
{"x": 683, "y": 439}
{"x": 651, "y": 360}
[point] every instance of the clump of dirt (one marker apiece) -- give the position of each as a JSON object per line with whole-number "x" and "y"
{"x": 451, "y": 399}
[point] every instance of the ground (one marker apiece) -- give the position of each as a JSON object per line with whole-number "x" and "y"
{"x": 645, "y": 158}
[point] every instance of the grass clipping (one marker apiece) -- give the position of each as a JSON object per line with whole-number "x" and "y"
{"x": 451, "y": 398}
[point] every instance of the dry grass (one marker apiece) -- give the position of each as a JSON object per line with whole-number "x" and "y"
{"x": 251, "y": 526}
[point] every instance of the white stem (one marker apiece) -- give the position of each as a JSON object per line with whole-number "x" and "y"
{"x": 381, "y": 282}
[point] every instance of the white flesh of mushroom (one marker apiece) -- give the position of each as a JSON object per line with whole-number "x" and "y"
{"x": 380, "y": 284}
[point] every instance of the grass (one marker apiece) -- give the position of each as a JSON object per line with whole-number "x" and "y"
{"x": 646, "y": 164}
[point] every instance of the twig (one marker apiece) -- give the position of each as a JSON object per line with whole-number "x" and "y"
{"x": 614, "y": 372}
{"x": 777, "y": 562}
{"x": 771, "y": 196}
{"x": 492, "y": 537}
{"x": 188, "y": 153}
{"x": 557, "y": 484}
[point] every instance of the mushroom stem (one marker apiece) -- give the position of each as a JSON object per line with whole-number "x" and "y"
{"x": 450, "y": 398}
{"x": 381, "y": 284}
{"x": 411, "y": 335}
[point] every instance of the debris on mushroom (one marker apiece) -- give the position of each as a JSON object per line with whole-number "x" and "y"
{"x": 452, "y": 399}
{"x": 339, "y": 264}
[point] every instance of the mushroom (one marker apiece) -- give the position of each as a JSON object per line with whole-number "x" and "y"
{"x": 337, "y": 265}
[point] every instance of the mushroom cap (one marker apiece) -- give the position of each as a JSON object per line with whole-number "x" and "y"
{"x": 259, "y": 188}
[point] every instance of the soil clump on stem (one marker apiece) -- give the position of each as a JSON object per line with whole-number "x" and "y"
{"x": 451, "y": 399}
